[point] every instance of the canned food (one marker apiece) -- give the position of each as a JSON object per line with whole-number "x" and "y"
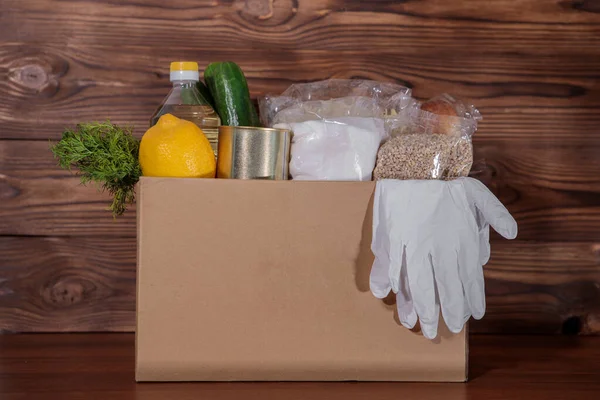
{"x": 253, "y": 153}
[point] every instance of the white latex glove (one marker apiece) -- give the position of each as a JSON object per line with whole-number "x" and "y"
{"x": 430, "y": 241}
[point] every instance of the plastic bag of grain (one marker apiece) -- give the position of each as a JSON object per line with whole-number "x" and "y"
{"x": 337, "y": 124}
{"x": 332, "y": 98}
{"x": 431, "y": 140}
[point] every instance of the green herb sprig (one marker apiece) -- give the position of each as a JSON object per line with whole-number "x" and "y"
{"x": 105, "y": 154}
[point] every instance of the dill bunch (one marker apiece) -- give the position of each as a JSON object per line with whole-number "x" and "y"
{"x": 105, "y": 154}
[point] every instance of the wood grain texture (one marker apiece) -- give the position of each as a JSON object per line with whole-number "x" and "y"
{"x": 321, "y": 24}
{"x": 49, "y": 87}
{"x": 531, "y": 73}
{"x": 531, "y": 67}
{"x": 88, "y": 284}
{"x": 550, "y": 201}
{"x": 100, "y": 366}
{"x": 67, "y": 284}
{"x": 538, "y": 287}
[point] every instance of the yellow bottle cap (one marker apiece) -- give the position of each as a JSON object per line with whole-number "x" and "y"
{"x": 184, "y": 71}
{"x": 184, "y": 66}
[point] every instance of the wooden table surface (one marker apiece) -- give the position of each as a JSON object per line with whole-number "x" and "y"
{"x": 101, "y": 366}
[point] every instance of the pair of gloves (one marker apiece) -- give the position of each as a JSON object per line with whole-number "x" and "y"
{"x": 430, "y": 241}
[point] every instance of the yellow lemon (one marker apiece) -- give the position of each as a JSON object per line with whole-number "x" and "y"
{"x": 175, "y": 147}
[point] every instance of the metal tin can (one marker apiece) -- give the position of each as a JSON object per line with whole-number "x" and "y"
{"x": 253, "y": 153}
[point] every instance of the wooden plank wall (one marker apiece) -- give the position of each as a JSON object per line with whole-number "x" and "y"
{"x": 531, "y": 66}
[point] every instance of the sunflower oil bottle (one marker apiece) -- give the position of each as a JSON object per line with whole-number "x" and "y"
{"x": 186, "y": 102}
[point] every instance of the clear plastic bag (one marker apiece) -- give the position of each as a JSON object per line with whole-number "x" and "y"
{"x": 339, "y": 149}
{"x": 431, "y": 140}
{"x": 332, "y": 98}
{"x": 338, "y": 125}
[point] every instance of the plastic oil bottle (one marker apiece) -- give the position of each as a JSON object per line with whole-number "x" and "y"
{"x": 186, "y": 102}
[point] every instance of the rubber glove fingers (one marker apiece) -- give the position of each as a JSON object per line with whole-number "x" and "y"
{"x": 379, "y": 281}
{"x": 492, "y": 209}
{"x": 449, "y": 287}
{"x": 422, "y": 288}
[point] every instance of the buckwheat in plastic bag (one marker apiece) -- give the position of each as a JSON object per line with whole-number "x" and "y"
{"x": 431, "y": 140}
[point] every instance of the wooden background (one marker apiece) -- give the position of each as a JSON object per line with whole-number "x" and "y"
{"x": 531, "y": 66}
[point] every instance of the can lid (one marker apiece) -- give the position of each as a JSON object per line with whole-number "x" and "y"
{"x": 184, "y": 71}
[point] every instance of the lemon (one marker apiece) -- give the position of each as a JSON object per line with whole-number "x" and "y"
{"x": 175, "y": 147}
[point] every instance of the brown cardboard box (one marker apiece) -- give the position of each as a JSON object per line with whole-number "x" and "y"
{"x": 269, "y": 280}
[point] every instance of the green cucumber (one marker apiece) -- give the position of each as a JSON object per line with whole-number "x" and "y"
{"x": 205, "y": 93}
{"x": 229, "y": 89}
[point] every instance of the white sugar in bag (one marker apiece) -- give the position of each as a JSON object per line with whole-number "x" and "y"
{"x": 340, "y": 149}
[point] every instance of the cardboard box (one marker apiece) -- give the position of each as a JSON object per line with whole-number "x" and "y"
{"x": 269, "y": 280}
